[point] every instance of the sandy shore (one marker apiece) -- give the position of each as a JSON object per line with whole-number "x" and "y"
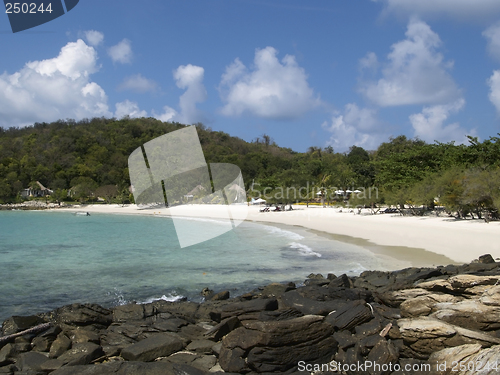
{"x": 459, "y": 240}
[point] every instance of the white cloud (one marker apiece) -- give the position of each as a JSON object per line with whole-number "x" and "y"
{"x": 272, "y": 89}
{"x": 492, "y": 34}
{"x": 415, "y": 72}
{"x": 121, "y": 52}
{"x": 355, "y": 127}
{"x": 138, "y": 83}
{"x": 457, "y": 9}
{"x": 52, "y": 89}
{"x": 93, "y": 37}
{"x": 429, "y": 124}
{"x": 190, "y": 77}
{"x": 169, "y": 114}
{"x": 130, "y": 109}
{"x": 494, "y": 95}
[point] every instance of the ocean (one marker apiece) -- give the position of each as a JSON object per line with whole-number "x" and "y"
{"x": 49, "y": 259}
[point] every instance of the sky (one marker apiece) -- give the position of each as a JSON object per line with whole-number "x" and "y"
{"x": 318, "y": 73}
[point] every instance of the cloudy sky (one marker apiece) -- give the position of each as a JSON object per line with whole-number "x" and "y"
{"x": 315, "y": 73}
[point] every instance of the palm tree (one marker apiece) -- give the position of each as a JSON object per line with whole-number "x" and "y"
{"x": 322, "y": 181}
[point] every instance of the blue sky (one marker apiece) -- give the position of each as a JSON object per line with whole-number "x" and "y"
{"x": 315, "y": 73}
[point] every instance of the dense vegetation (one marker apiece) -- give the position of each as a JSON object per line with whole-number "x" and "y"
{"x": 89, "y": 158}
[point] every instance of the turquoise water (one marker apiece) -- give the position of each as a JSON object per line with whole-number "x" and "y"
{"x": 49, "y": 259}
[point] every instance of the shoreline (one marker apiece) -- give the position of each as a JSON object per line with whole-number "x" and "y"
{"x": 421, "y": 240}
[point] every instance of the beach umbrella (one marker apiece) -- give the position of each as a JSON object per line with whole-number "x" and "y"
{"x": 356, "y": 191}
{"x": 348, "y": 191}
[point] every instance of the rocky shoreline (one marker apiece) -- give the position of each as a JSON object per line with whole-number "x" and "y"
{"x": 443, "y": 320}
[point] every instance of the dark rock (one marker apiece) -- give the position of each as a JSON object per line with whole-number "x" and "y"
{"x": 345, "y": 339}
{"x": 294, "y": 299}
{"x": 350, "y": 294}
{"x": 373, "y": 280}
{"x": 276, "y": 345}
{"x": 340, "y": 282}
{"x": 16, "y": 324}
{"x": 109, "y": 368}
{"x": 247, "y": 307}
{"x": 216, "y": 348}
{"x": 486, "y": 258}
{"x": 201, "y": 346}
{"x": 8, "y": 354}
{"x": 158, "y": 345}
{"x": 198, "y": 361}
{"x": 8, "y": 370}
{"x": 192, "y": 332}
{"x": 380, "y": 281}
{"x": 81, "y": 335}
{"x": 316, "y": 276}
{"x": 353, "y": 355}
{"x": 42, "y": 344}
{"x": 207, "y": 293}
{"x": 316, "y": 282}
{"x": 61, "y": 344}
{"x": 386, "y": 312}
{"x": 372, "y": 327}
{"x": 277, "y": 289}
{"x": 350, "y": 315}
{"x": 131, "y": 368}
{"x": 184, "y": 310}
{"x": 279, "y": 314}
{"x": 231, "y": 360}
{"x": 331, "y": 276}
{"x": 170, "y": 325}
{"x": 480, "y": 268}
{"x": 382, "y": 354}
{"x": 31, "y": 361}
{"x": 52, "y": 332}
{"x": 223, "y": 328}
{"x": 132, "y": 331}
{"x": 81, "y": 354}
{"x": 82, "y": 315}
{"x": 367, "y": 343}
{"x": 128, "y": 312}
{"x": 221, "y": 296}
{"x": 314, "y": 292}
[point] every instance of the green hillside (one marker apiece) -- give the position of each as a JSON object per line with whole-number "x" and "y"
{"x": 90, "y": 157}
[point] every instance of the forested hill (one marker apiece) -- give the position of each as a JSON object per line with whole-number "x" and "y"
{"x": 94, "y": 153}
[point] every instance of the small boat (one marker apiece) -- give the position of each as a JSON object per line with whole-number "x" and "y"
{"x": 82, "y": 213}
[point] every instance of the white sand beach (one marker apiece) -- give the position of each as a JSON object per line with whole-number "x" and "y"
{"x": 460, "y": 240}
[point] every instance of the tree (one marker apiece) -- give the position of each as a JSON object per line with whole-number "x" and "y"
{"x": 108, "y": 192}
{"x": 59, "y": 195}
{"x": 83, "y": 188}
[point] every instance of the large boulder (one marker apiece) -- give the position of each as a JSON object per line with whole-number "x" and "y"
{"x": 277, "y": 345}
{"x": 425, "y": 304}
{"x": 426, "y": 335}
{"x": 147, "y": 350}
{"x": 466, "y": 360}
{"x": 81, "y": 315}
{"x": 249, "y": 309}
{"x": 350, "y": 315}
{"x": 16, "y": 324}
{"x": 470, "y": 314}
{"x": 296, "y": 300}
